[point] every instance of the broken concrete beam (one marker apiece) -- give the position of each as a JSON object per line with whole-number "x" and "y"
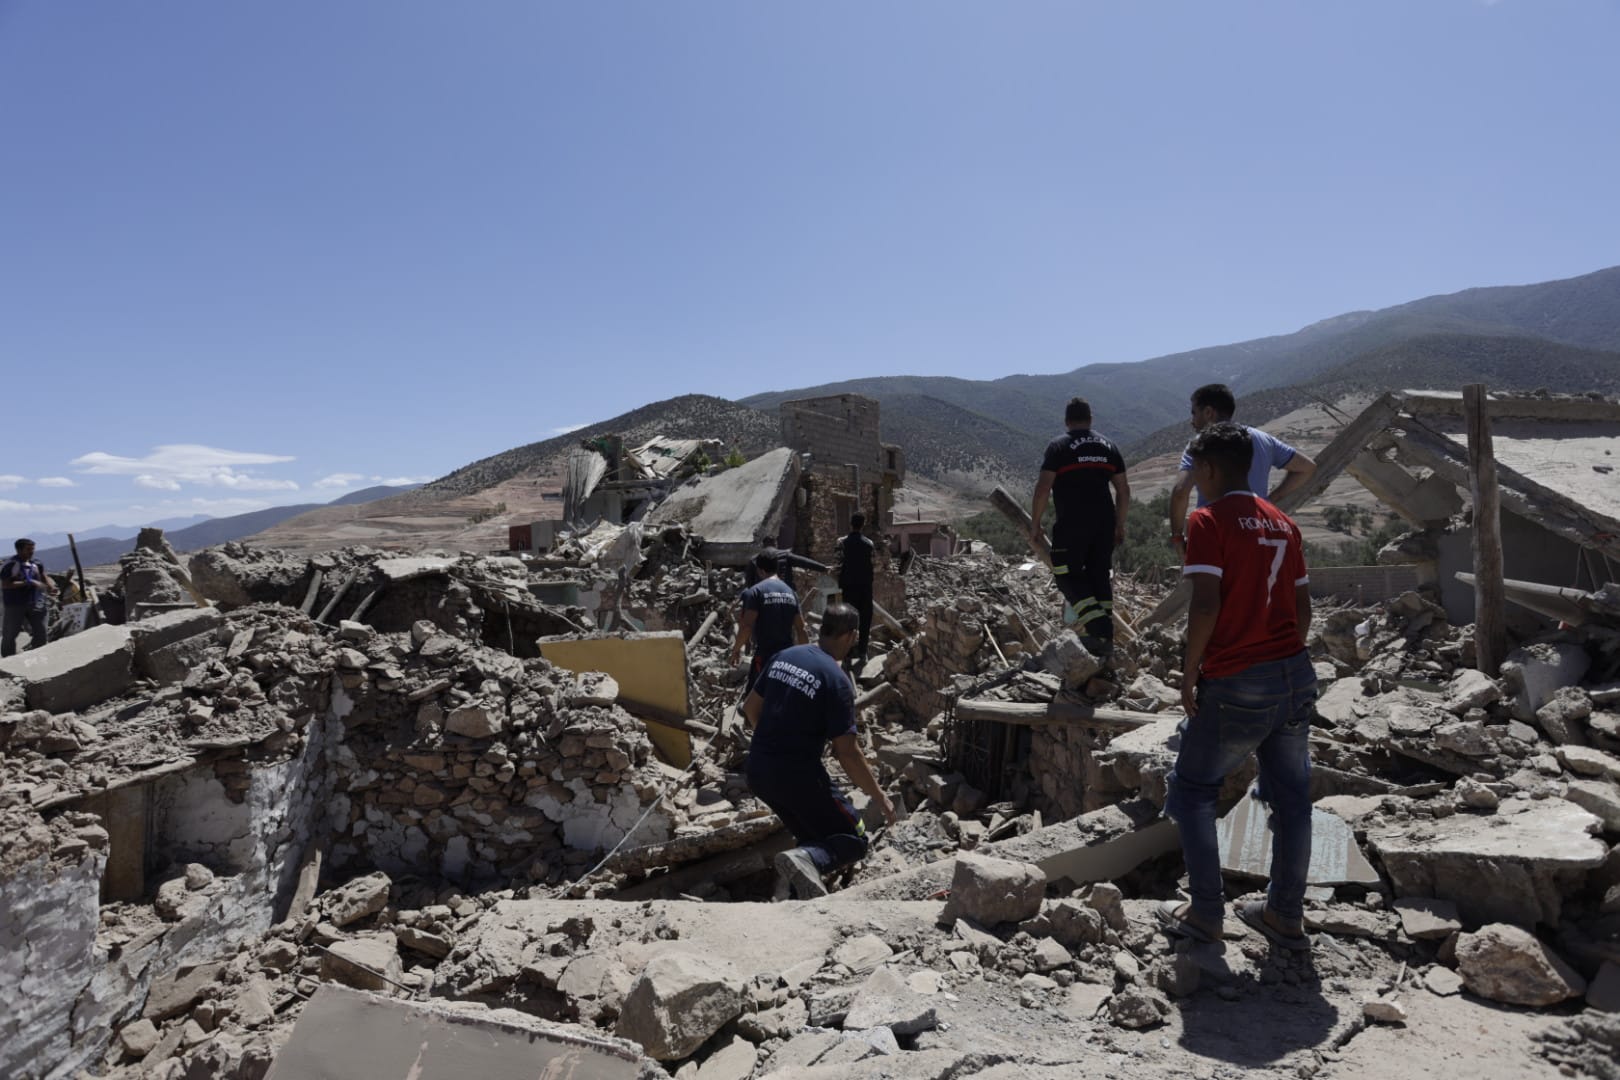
{"x": 685, "y": 849}
{"x": 1026, "y": 714}
{"x": 150, "y": 635}
{"x": 359, "y": 1036}
{"x": 1537, "y": 672}
{"x": 76, "y": 672}
{"x": 1514, "y": 866}
{"x": 1099, "y": 846}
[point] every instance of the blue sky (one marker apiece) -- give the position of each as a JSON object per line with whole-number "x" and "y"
{"x": 254, "y": 253}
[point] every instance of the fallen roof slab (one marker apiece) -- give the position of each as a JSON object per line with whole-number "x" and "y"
{"x": 735, "y": 511}
{"x": 76, "y": 672}
{"x": 345, "y": 1034}
{"x": 1245, "y": 843}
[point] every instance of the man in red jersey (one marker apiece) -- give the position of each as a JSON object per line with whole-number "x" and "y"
{"x": 1248, "y": 688}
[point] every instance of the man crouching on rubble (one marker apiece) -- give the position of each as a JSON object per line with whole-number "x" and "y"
{"x": 802, "y": 701}
{"x": 1247, "y": 687}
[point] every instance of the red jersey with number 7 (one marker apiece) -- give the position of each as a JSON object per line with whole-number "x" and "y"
{"x": 1256, "y": 551}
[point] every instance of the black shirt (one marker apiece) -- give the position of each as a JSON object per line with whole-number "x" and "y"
{"x": 1086, "y": 464}
{"x": 855, "y": 565}
{"x": 777, "y": 606}
{"x": 788, "y": 560}
{"x": 808, "y": 700}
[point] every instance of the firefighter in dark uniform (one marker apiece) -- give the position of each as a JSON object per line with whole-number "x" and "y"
{"x": 803, "y": 701}
{"x": 856, "y": 553}
{"x": 1077, "y": 473}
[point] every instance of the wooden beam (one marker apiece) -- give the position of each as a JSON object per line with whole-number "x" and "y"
{"x": 1009, "y": 507}
{"x": 1570, "y": 410}
{"x": 1490, "y": 603}
{"x": 1041, "y": 714}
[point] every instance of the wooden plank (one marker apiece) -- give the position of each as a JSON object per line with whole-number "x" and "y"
{"x": 1003, "y": 501}
{"x": 1569, "y": 410}
{"x": 888, "y": 620}
{"x": 1039, "y": 714}
{"x": 1490, "y": 602}
{"x": 314, "y": 590}
{"x": 331, "y": 605}
{"x": 1344, "y": 449}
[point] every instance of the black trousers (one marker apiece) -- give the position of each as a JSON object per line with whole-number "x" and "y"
{"x": 821, "y": 819}
{"x": 1082, "y": 561}
{"x": 859, "y": 597}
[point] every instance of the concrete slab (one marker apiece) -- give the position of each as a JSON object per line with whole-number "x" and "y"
{"x": 346, "y": 1034}
{"x": 150, "y": 635}
{"x": 75, "y": 672}
{"x": 737, "y": 511}
{"x": 1245, "y": 842}
{"x": 1513, "y": 866}
{"x": 405, "y": 569}
{"x": 650, "y": 669}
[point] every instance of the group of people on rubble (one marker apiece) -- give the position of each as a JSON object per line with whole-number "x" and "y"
{"x": 1247, "y": 683}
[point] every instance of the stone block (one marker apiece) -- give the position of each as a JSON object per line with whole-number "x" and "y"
{"x": 76, "y": 672}
{"x": 1537, "y": 672}
{"x": 365, "y": 963}
{"x": 1508, "y": 964}
{"x": 160, "y": 631}
{"x": 990, "y": 891}
{"x": 886, "y": 1001}
{"x": 1426, "y": 919}
{"x": 677, "y": 1002}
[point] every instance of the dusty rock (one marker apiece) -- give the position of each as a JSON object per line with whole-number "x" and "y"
{"x": 1069, "y": 660}
{"x": 278, "y": 955}
{"x": 991, "y": 891}
{"x": 1050, "y": 956}
{"x": 1589, "y": 762}
{"x": 733, "y": 1061}
{"x": 1443, "y": 981}
{"x": 365, "y": 963}
{"x": 885, "y": 1000}
{"x": 474, "y": 721}
{"x": 1109, "y": 902}
{"x": 1475, "y": 795}
{"x": 1180, "y": 976}
{"x": 784, "y": 1021}
{"x": 198, "y": 877}
{"x": 255, "y": 1005}
{"x": 171, "y": 899}
{"x": 1138, "y": 1007}
{"x": 139, "y": 1038}
{"x": 1507, "y": 964}
{"x": 1471, "y": 689}
{"x": 357, "y": 899}
{"x": 178, "y": 991}
{"x": 1563, "y": 717}
{"x": 677, "y": 1002}
{"x": 1425, "y": 919}
{"x": 1384, "y": 1010}
{"x": 592, "y": 688}
{"x": 1599, "y": 797}
{"x": 428, "y": 944}
{"x": 862, "y": 953}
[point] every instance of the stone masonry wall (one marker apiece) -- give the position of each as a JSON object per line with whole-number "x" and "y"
{"x": 836, "y": 432}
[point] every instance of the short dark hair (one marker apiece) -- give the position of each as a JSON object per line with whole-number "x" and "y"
{"x": 23, "y": 542}
{"x": 857, "y": 522}
{"x": 1217, "y": 396}
{"x": 1077, "y": 411}
{"x": 838, "y": 620}
{"x": 768, "y": 561}
{"x": 1226, "y": 446}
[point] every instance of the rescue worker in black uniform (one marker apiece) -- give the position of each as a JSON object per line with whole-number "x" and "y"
{"x": 771, "y": 620}
{"x": 856, "y": 553}
{"x": 1079, "y": 468}
{"x": 803, "y": 701}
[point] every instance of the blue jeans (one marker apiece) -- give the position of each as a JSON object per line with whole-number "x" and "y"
{"x": 1263, "y": 710}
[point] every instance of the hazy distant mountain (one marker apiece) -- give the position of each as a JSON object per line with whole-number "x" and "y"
{"x": 371, "y": 494}
{"x": 114, "y": 532}
{"x": 1133, "y": 400}
{"x": 204, "y": 532}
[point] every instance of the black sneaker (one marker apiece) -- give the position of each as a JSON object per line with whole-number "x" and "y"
{"x": 798, "y": 869}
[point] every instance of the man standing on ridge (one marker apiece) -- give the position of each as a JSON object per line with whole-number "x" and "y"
{"x": 24, "y": 587}
{"x": 1214, "y": 404}
{"x": 1079, "y": 468}
{"x": 855, "y": 557}
{"x": 770, "y": 618}
{"x": 802, "y": 702}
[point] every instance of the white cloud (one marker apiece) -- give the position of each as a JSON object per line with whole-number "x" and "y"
{"x": 167, "y": 467}
{"x": 566, "y": 428}
{"x": 55, "y": 482}
{"x": 220, "y": 506}
{"x": 339, "y": 480}
{"x": 10, "y": 480}
{"x": 37, "y": 508}
{"x": 343, "y": 480}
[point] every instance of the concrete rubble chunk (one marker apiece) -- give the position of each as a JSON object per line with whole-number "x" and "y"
{"x": 991, "y": 891}
{"x": 365, "y": 963}
{"x": 1050, "y": 956}
{"x": 1108, "y": 901}
{"x": 733, "y": 1061}
{"x": 174, "y": 993}
{"x": 1244, "y": 835}
{"x": 1384, "y": 1010}
{"x": 480, "y": 721}
{"x": 1427, "y": 919}
{"x": 862, "y": 953}
{"x": 1069, "y": 660}
{"x": 138, "y": 1038}
{"x": 1505, "y": 867}
{"x": 1599, "y": 797}
{"x": 1471, "y": 689}
{"x": 677, "y": 1002}
{"x": 1443, "y": 981}
{"x": 357, "y": 899}
{"x": 1585, "y": 761}
{"x": 1563, "y": 718}
{"x": 1138, "y": 1007}
{"x": 76, "y": 672}
{"x": 1508, "y": 964}
{"x": 1535, "y": 673}
{"x": 885, "y": 1000}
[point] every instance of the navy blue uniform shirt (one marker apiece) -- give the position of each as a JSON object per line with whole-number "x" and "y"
{"x": 1086, "y": 464}
{"x": 777, "y": 606}
{"x": 808, "y": 700}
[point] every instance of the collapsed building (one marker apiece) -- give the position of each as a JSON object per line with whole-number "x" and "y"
{"x": 298, "y": 807}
